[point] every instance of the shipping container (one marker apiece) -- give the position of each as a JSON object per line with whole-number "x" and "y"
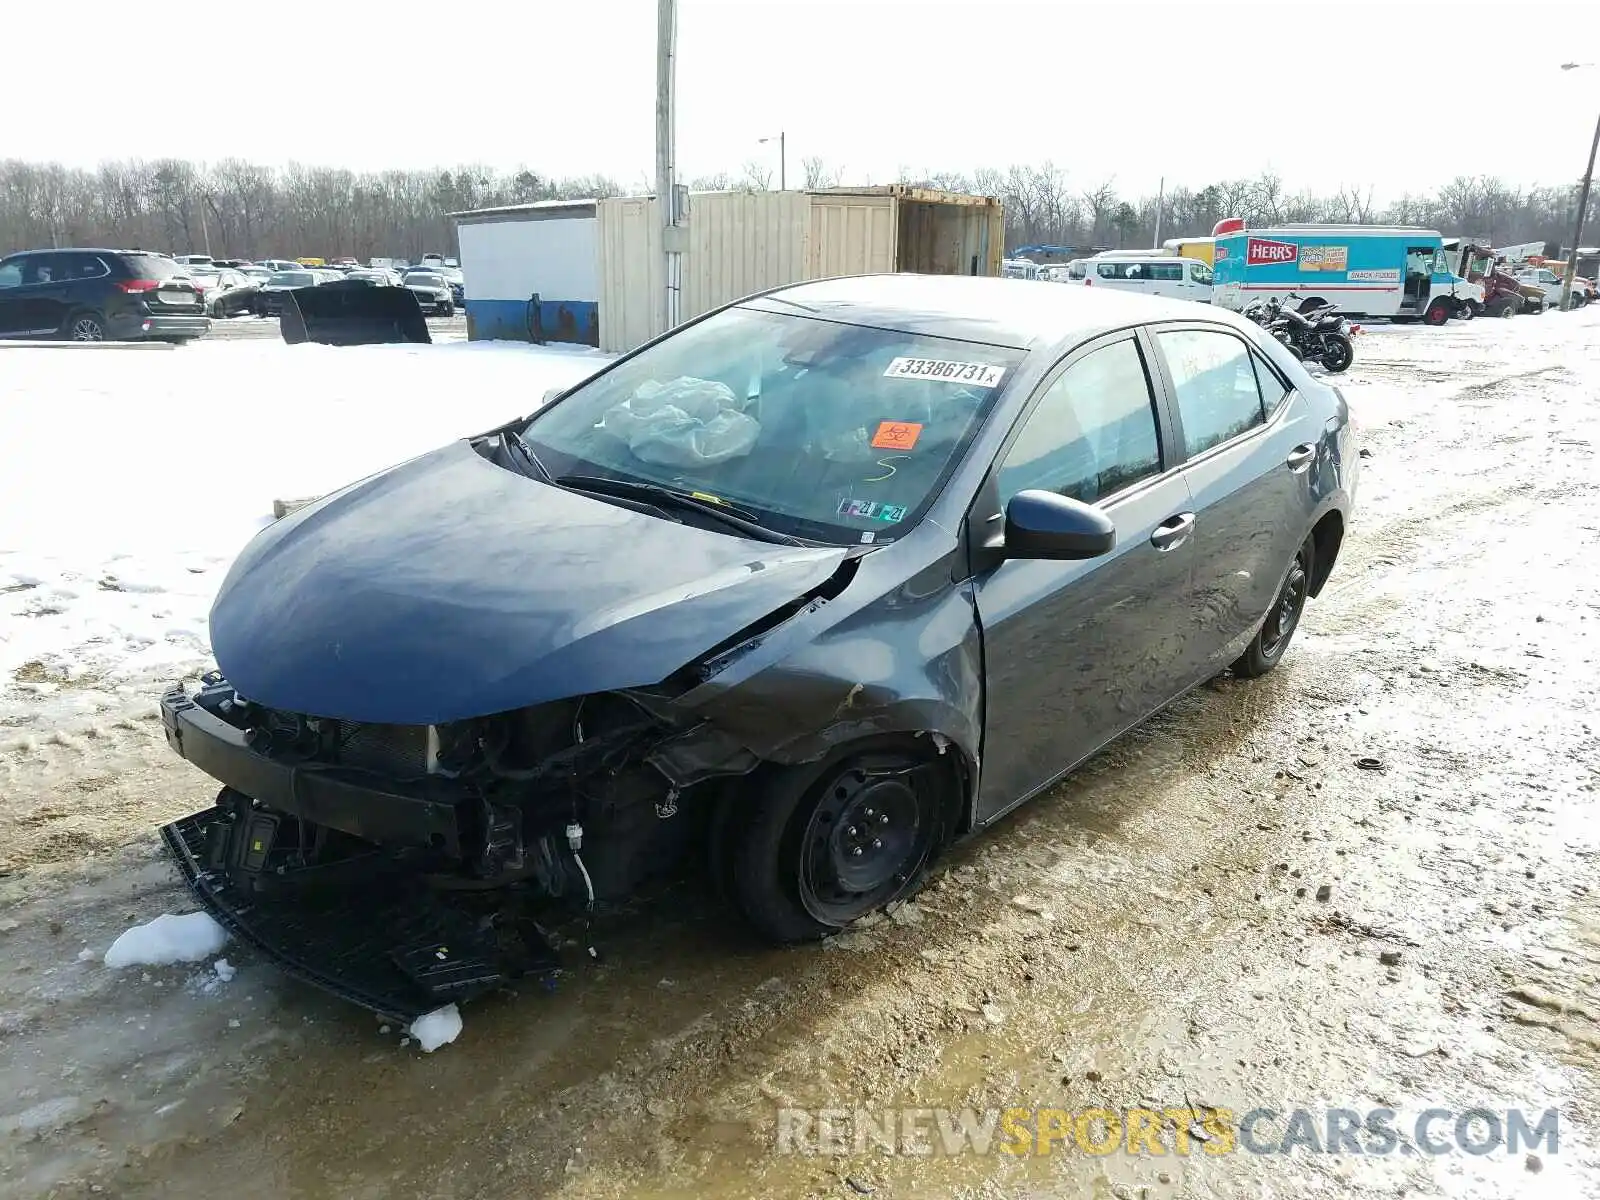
{"x": 737, "y": 243}
{"x": 601, "y": 261}
{"x": 531, "y": 272}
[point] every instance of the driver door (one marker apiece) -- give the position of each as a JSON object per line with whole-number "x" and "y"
{"x": 1076, "y": 652}
{"x": 1419, "y": 279}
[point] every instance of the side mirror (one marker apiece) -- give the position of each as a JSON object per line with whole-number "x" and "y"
{"x": 1045, "y": 525}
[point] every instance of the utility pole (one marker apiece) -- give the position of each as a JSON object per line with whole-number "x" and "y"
{"x": 1161, "y": 196}
{"x": 666, "y": 160}
{"x": 1571, "y": 272}
{"x": 783, "y": 159}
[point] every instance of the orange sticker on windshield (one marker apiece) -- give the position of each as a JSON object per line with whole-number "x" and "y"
{"x": 896, "y": 435}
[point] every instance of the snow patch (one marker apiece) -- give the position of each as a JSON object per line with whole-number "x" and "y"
{"x": 436, "y": 1028}
{"x": 225, "y": 970}
{"x": 166, "y": 940}
{"x": 105, "y": 603}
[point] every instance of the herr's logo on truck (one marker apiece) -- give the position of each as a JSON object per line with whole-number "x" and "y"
{"x": 1259, "y": 252}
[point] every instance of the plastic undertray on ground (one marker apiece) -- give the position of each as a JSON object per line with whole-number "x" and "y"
{"x": 391, "y": 946}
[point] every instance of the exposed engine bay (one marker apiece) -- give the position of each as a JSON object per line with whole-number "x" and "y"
{"x": 440, "y": 852}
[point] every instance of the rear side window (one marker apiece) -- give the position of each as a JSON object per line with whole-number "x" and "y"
{"x": 150, "y": 266}
{"x": 1215, "y": 381}
{"x": 1273, "y": 389}
{"x": 1092, "y": 433}
{"x": 1165, "y": 272}
{"x": 83, "y": 266}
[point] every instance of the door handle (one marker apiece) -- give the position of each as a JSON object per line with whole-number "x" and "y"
{"x": 1301, "y": 456}
{"x": 1172, "y": 532}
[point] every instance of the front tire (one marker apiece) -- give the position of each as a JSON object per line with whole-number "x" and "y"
{"x": 1267, "y": 648}
{"x": 1468, "y": 311}
{"x": 1438, "y": 313}
{"x": 814, "y": 849}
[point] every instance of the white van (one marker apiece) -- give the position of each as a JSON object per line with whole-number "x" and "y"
{"x": 1177, "y": 278}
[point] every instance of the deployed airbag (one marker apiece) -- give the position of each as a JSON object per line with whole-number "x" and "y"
{"x": 687, "y": 422}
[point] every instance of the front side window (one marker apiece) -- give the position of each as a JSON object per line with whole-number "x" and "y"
{"x": 44, "y": 268}
{"x": 1076, "y": 270}
{"x": 823, "y": 430}
{"x": 10, "y": 274}
{"x": 1092, "y": 433}
{"x": 1218, "y": 397}
{"x": 1200, "y": 273}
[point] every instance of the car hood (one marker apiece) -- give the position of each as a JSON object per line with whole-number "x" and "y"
{"x": 448, "y": 587}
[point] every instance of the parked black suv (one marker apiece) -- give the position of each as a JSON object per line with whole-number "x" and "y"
{"x": 98, "y": 295}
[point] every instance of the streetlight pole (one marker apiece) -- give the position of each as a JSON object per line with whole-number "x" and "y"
{"x": 783, "y": 160}
{"x": 1571, "y": 272}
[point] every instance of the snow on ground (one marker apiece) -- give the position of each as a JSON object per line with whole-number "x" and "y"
{"x": 436, "y": 1028}
{"x": 128, "y": 482}
{"x": 171, "y": 939}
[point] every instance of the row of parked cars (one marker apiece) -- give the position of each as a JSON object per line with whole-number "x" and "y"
{"x": 97, "y": 294}
{"x": 232, "y": 287}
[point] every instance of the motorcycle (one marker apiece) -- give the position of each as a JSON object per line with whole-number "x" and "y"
{"x": 1320, "y": 335}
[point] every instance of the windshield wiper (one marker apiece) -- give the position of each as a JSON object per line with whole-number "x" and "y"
{"x": 731, "y": 515}
{"x": 516, "y": 441}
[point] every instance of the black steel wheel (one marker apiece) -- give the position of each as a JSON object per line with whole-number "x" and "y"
{"x": 815, "y": 849}
{"x": 1283, "y": 618}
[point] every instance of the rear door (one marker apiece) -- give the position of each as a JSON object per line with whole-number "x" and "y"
{"x": 1076, "y": 652}
{"x": 1249, "y": 445}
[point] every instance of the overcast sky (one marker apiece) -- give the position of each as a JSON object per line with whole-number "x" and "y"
{"x": 1401, "y": 94}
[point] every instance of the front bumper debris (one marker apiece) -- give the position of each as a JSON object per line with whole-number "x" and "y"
{"x": 372, "y": 809}
{"x": 393, "y": 945}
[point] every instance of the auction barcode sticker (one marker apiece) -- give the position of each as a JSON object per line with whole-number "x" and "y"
{"x": 984, "y": 375}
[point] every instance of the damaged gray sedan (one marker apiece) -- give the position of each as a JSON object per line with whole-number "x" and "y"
{"x": 796, "y": 594}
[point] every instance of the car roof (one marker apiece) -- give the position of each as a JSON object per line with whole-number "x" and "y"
{"x": 1021, "y": 313}
{"x": 85, "y": 250}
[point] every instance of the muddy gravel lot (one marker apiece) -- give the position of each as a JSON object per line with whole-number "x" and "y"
{"x": 1365, "y": 881}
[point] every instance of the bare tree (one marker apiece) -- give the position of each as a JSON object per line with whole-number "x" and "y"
{"x": 817, "y": 172}
{"x": 756, "y": 177}
{"x": 256, "y": 211}
{"x": 1100, "y": 202}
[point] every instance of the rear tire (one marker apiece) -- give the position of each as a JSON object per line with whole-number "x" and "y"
{"x": 811, "y": 849}
{"x": 1337, "y": 354}
{"x": 86, "y": 327}
{"x": 1267, "y": 648}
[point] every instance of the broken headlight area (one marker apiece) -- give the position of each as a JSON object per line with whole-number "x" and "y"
{"x": 407, "y": 866}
